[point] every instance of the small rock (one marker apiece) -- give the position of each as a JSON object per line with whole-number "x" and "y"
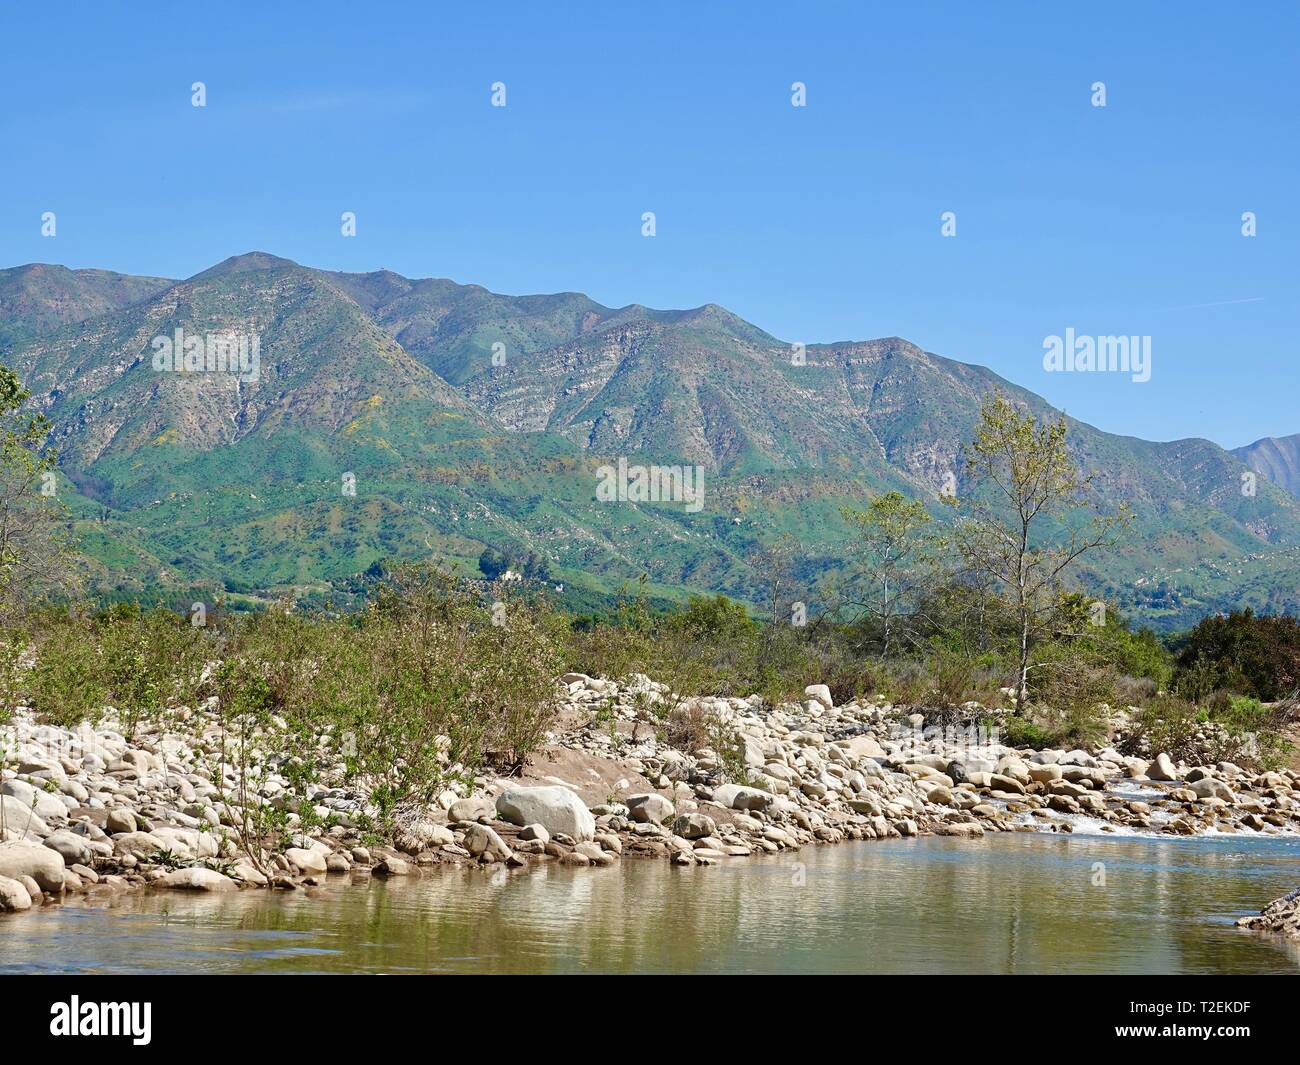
{"x": 120, "y": 820}
{"x": 481, "y": 840}
{"x": 649, "y": 808}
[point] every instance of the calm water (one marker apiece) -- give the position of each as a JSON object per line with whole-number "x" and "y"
{"x": 1006, "y": 904}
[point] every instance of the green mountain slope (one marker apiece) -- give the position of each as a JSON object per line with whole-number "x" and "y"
{"x": 378, "y": 424}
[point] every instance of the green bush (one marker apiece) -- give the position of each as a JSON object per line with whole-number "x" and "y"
{"x": 1018, "y": 731}
{"x": 1243, "y": 654}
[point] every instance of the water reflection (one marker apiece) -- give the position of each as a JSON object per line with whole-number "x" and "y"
{"x": 1008, "y": 904}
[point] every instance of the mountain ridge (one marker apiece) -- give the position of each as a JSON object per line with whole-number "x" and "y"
{"x": 467, "y": 419}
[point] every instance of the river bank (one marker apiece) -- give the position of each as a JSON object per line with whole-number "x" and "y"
{"x": 89, "y": 811}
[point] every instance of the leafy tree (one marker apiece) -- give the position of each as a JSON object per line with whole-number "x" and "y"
{"x": 713, "y": 618}
{"x": 892, "y": 563}
{"x": 535, "y": 567}
{"x": 1021, "y": 526}
{"x": 492, "y": 563}
{"x": 34, "y": 549}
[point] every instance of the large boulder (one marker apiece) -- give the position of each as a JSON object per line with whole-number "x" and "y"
{"x": 1015, "y": 768}
{"x": 475, "y": 808}
{"x": 649, "y": 808}
{"x": 555, "y": 808}
{"x": 34, "y": 798}
{"x": 188, "y": 842}
{"x": 863, "y": 746}
{"x": 197, "y": 879}
{"x": 13, "y": 896}
{"x": 19, "y": 819}
{"x": 1209, "y": 788}
{"x": 482, "y": 841}
{"x": 694, "y": 826}
{"x": 306, "y": 861}
{"x": 1000, "y": 782}
{"x": 138, "y": 844}
{"x": 423, "y": 834}
{"x": 739, "y": 797}
{"x": 74, "y": 849}
{"x": 821, "y": 693}
{"x": 45, "y": 866}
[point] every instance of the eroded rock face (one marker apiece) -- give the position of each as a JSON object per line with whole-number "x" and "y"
{"x": 555, "y": 808}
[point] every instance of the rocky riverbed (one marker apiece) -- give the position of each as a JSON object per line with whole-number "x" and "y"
{"x": 89, "y": 811}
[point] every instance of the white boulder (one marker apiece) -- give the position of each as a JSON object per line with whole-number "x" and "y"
{"x": 555, "y": 808}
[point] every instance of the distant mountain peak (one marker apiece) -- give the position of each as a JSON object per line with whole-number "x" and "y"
{"x": 1274, "y": 457}
{"x": 249, "y": 262}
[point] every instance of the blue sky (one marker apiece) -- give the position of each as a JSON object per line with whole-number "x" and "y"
{"x": 818, "y": 223}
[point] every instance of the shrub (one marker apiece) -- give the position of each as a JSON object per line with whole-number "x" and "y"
{"x": 66, "y": 684}
{"x": 1241, "y": 653}
{"x": 1017, "y": 731}
{"x": 1240, "y": 730}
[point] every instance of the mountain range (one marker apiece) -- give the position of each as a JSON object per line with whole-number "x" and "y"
{"x": 390, "y": 417}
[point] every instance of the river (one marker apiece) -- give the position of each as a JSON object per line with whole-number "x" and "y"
{"x": 1010, "y": 903}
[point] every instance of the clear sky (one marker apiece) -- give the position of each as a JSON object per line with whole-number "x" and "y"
{"x": 817, "y": 223}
